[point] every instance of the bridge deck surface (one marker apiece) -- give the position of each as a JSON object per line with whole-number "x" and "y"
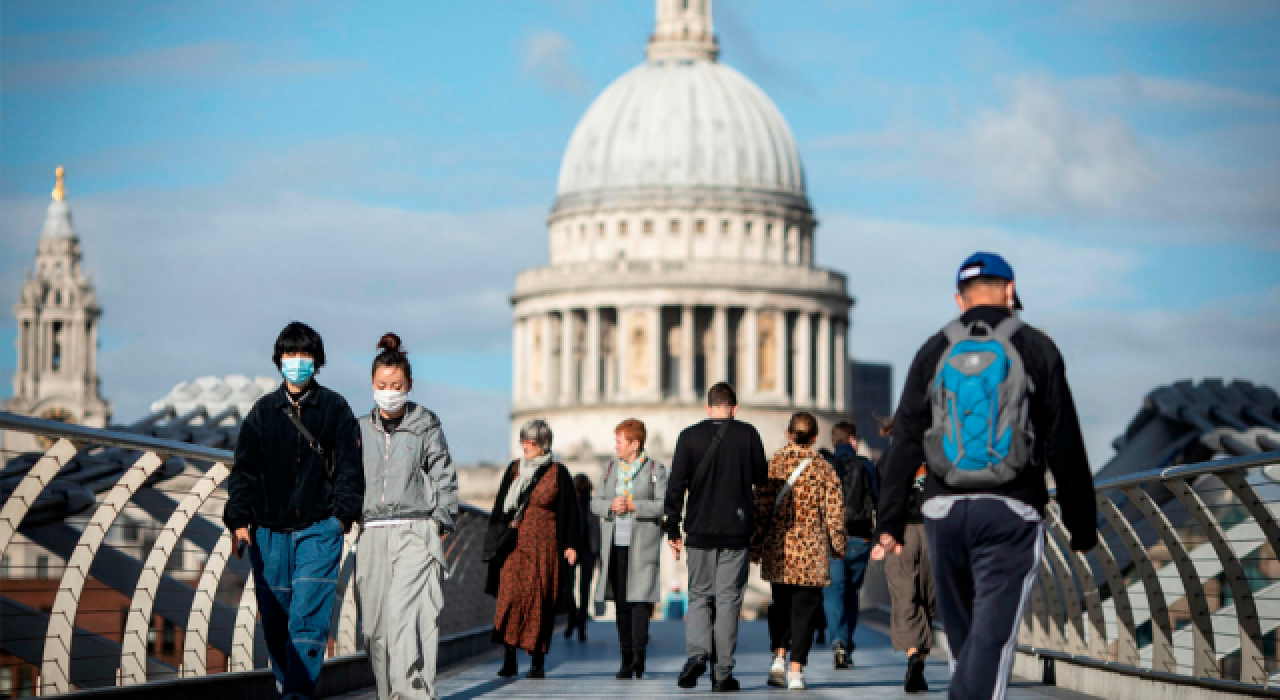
{"x": 585, "y": 670}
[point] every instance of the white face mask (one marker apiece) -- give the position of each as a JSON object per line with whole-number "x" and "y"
{"x": 390, "y": 400}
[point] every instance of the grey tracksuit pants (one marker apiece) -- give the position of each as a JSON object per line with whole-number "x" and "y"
{"x": 716, "y": 577}
{"x": 398, "y": 572}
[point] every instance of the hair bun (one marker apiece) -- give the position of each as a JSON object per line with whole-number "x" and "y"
{"x": 389, "y": 343}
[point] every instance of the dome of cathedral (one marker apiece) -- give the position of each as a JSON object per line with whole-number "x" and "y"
{"x": 682, "y": 122}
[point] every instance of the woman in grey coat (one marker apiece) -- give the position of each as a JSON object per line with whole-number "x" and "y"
{"x": 410, "y": 501}
{"x": 629, "y": 503}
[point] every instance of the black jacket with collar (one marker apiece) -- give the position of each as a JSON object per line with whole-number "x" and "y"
{"x": 719, "y": 509}
{"x": 1059, "y": 445}
{"x": 278, "y": 481}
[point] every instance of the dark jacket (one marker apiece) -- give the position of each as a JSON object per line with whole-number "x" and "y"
{"x": 568, "y": 530}
{"x": 1058, "y": 446}
{"x": 278, "y": 481}
{"x": 590, "y": 530}
{"x": 719, "y": 511}
{"x": 859, "y": 496}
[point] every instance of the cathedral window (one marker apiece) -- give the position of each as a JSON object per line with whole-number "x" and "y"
{"x": 768, "y": 230}
{"x": 700, "y": 227}
{"x": 724, "y": 228}
{"x": 57, "y": 298}
{"x": 582, "y": 232}
{"x": 648, "y": 226}
{"x": 600, "y": 230}
{"x": 675, "y": 227}
{"x": 746, "y": 229}
{"x": 622, "y": 229}
{"x": 57, "y": 269}
{"x": 55, "y": 361}
{"x": 26, "y": 347}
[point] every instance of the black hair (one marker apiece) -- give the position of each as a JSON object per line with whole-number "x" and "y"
{"x": 844, "y": 430}
{"x": 301, "y": 338}
{"x": 803, "y": 428}
{"x": 392, "y": 355}
{"x": 722, "y": 394}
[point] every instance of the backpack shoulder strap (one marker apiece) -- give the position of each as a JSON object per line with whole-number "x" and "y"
{"x": 709, "y": 455}
{"x": 955, "y": 331}
{"x": 1005, "y": 329}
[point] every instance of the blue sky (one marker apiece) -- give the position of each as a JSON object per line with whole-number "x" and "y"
{"x": 372, "y": 166}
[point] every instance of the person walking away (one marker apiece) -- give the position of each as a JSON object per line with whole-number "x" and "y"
{"x": 295, "y": 488}
{"x": 587, "y": 558}
{"x": 717, "y": 463}
{"x": 840, "y": 600}
{"x": 799, "y": 529}
{"x": 410, "y": 503}
{"x": 632, "y": 496}
{"x": 532, "y": 582}
{"x": 987, "y": 407}
{"x": 910, "y": 581}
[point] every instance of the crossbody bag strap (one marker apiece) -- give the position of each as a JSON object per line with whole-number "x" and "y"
{"x": 709, "y": 455}
{"x": 311, "y": 440}
{"x": 527, "y": 495}
{"x": 791, "y": 481}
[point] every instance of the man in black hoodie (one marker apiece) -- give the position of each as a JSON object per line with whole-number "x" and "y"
{"x": 718, "y": 523}
{"x": 985, "y": 534}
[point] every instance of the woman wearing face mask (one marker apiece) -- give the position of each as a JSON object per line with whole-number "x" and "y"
{"x": 411, "y": 500}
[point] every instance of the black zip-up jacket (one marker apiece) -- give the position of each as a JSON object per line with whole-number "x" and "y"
{"x": 278, "y": 481}
{"x": 1058, "y": 442}
{"x": 719, "y": 510}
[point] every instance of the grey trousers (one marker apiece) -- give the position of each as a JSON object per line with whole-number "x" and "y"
{"x": 398, "y": 570}
{"x": 719, "y": 574}
{"x": 911, "y": 597}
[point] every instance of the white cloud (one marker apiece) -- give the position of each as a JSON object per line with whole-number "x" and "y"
{"x": 1135, "y": 87}
{"x": 1039, "y": 155}
{"x": 1072, "y": 291}
{"x": 548, "y": 56}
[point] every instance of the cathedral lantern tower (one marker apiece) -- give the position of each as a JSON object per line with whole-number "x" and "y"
{"x": 57, "y": 315}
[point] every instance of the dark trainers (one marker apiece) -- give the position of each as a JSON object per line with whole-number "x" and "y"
{"x": 626, "y": 670}
{"x": 842, "y": 659}
{"x": 728, "y": 685}
{"x": 692, "y": 671}
{"x": 914, "y": 682}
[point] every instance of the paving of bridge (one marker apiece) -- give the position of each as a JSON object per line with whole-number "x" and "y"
{"x": 585, "y": 670}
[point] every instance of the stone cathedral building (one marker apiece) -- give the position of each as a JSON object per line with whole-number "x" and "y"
{"x": 682, "y": 245}
{"x": 57, "y": 316}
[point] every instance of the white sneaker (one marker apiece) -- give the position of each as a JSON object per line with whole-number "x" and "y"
{"x": 795, "y": 680}
{"x": 778, "y": 672}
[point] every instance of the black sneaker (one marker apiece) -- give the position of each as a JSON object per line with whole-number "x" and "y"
{"x": 915, "y": 682}
{"x": 692, "y": 671}
{"x": 842, "y": 659}
{"x": 626, "y": 670}
{"x": 728, "y": 685}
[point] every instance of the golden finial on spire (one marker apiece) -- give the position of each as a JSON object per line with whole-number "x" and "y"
{"x": 60, "y": 189}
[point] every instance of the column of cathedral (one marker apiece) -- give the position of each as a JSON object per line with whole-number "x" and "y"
{"x": 805, "y": 346}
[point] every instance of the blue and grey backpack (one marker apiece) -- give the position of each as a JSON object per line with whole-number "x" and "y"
{"x": 981, "y": 434}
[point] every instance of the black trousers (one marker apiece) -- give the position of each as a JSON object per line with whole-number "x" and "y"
{"x": 793, "y": 618}
{"x": 633, "y": 618}
{"x": 586, "y": 568}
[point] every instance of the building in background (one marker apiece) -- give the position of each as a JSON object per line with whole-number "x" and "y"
{"x": 870, "y": 401}
{"x": 682, "y": 244}
{"x": 57, "y": 317}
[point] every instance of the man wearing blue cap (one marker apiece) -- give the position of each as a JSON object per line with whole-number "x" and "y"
{"x": 987, "y": 408}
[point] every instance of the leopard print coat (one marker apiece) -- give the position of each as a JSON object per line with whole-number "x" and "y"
{"x": 794, "y": 545}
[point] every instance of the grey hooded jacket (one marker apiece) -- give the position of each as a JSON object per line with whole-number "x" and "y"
{"x": 408, "y": 474}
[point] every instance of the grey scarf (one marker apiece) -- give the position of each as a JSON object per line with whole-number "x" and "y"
{"x": 528, "y": 467}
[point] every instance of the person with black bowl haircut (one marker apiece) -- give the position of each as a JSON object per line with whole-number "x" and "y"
{"x": 295, "y": 488}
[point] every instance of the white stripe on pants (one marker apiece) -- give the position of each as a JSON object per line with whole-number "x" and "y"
{"x": 398, "y": 570}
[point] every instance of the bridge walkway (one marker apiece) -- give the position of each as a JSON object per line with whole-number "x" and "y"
{"x": 585, "y": 670}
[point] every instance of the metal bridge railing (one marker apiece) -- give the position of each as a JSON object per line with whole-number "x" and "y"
{"x": 116, "y": 569}
{"x": 1184, "y": 581}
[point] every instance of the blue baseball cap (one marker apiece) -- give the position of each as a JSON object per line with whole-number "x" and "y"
{"x": 987, "y": 265}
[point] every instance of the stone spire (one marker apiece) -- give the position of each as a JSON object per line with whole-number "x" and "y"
{"x": 57, "y": 221}
{"x": 683, "y": 32}
{"x": 57, "y": 317}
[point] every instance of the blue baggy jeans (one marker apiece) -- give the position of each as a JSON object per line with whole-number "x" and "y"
{"x": 840, "y": 599}
{"x": 295, "y": 578}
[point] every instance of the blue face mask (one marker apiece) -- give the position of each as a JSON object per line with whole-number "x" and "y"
{"x": 297, "y": 370}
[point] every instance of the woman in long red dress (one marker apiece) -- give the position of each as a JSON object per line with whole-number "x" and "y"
{"x": 532, "y": 582}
